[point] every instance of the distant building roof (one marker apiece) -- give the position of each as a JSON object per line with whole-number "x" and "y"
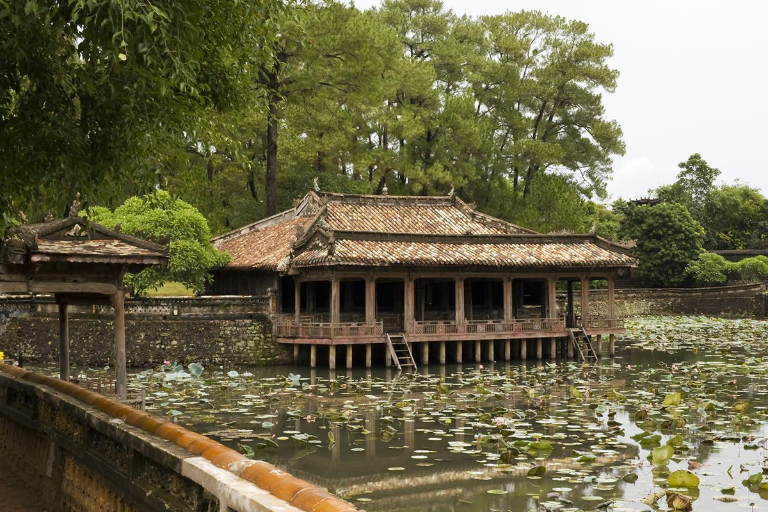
{"x": 340, "y": 229}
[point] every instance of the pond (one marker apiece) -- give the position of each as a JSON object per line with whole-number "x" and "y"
{"x": 682, "y": 407}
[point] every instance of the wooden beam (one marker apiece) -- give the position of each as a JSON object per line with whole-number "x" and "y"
{"x": 62, "y": 287}
{"x": 120, "y": 355}
{"x": 63, "y": 341}
{"x": 13, "y": 287}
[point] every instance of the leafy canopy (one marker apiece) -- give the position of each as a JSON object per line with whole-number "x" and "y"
{"x": 668, "y": 239}
{"x": 159, "y": 216}
{"x": 94, "y": 93}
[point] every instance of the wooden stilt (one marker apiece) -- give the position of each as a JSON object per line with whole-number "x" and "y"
{"x": 612, "y": 344}
{"x": 442, "y": 352}
{"x": 121, "y": 387}
{"x": 523, "y": 349}
{"x": 599, "y": 347}
{"x": 295, "y": 354}
{"x": 313, "y": 356}
{"x": 569, "y": 348}
{"x": 507, "y": 350}
{"x": 332, "y": 357}
{"x": 491, "y": 351}
{"x": 539, "y": 351}
{"x": 478, "y": 351}
{"x": 387, "y": 358}
{"x": 368, "y": 351}
{"x": 63, "y": 341}
{"x": 349, "y": 357}
{"x": 553, "y": 349}
{"x": 459, "y": 347}
{"x": 425, "y": 353}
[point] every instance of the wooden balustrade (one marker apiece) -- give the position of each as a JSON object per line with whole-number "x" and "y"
{"x": 287, "y": 327}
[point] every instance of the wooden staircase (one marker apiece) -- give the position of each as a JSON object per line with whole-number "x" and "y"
{"x": 400, "y": 351}
{"x": 583, "y": 344}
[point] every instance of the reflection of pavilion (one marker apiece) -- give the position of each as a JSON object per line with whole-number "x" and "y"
{"x": 347, "y": 269}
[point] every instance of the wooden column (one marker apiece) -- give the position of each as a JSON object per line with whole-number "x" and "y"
{"x": 409, "y": 302}
{"x": 507, "y": 350}
{"x": 611, "y": 300}
{"x": 478, "y": 351}
{"x": 368, "y": 350}
{"x": 552, "y": 296}
{"x": 523, "y": 349}
{"x": 370, "y": 300}
{"x": 491, "y": 350}
{"x": 295, "y": 353}
{"x": 599, "y": 347}
{"x": 612, "y": 345}
{"x": 553, "y": 349}
{"x": 63, "y": 341}
{"x": 297, "y": 300}
{"x": 442, "y": 352}
{"x": 584, "y": 301}
{"x": 425, "y": 353}
{"x": 539, "y": 344}
{"x": 335, "y": 300}
{"x": 569, "y": 305}
{"x": 121, "y": 386}
{"x": 332, "y": 357}
{"x": 569, "y": 350}
{"x": 387, "y": 357}
{"x": 459, "y": 355}
{"x": 459, "y": 282}
{"x": 349, "y": 356}
{"x": 313, "y": 356}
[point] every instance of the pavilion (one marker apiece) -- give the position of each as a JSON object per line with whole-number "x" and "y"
{"x": 349, "y": 269}
{"x": 80, "y": 263}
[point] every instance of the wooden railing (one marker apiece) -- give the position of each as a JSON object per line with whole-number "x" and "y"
{"x": 487, "y": 326}
{"x": 289, "y": 328}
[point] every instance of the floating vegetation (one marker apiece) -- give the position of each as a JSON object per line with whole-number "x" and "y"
{"x": 677, "y": 422}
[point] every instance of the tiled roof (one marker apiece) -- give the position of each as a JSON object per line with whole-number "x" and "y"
{"x": 562, "y": 254}
{"x": 439, "y": 219}
{"x": 338, "y": 229}
{"x": 265, "y": 249}
{"x": 90, "y": 250}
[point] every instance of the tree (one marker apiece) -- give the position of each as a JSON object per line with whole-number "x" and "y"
{"x": 695, "y": 181}
{"x": 96, "y": 93}
{"x": 735, "y": 217}
{"x": 160, "y": 217}
{"x": 752, "y": 270}
{"x": 668, "y": 239}
{"x": 709, "y": 269}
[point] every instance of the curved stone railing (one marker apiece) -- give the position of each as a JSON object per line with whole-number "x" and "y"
{"x": 294, "y": 493}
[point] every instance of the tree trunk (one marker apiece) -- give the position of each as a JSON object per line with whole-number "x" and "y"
{"x": 271, "y": 178}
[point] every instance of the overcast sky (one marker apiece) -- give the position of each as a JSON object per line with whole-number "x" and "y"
{"x": 694, "y": 79}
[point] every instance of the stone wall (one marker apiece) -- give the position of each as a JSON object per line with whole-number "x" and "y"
{"x": 212, "y": 331}
{"x": 83, "y": 452}
{"x": 731, "y": 301}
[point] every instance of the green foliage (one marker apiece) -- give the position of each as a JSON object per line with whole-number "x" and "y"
{"x": 735, "y": 217}
{"x": 709, "y": 269}
{"x": 96, "y": 94}
{"x": 161, "y": 217}
{"x": 668, "y": 239}
{"x": 752, "y": 270}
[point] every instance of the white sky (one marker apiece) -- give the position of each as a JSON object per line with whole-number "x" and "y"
{"x": 694, "y": 79}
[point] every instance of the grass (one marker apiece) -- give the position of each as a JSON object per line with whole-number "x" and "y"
{"x": 171, "y": 290}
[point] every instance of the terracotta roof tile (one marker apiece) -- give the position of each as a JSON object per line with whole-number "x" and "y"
{"x": 440, "y": 219}
{"x": 513, "y": 254}
{"x": 266, "y": 249}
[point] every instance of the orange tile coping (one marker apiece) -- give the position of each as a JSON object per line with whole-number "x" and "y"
{"x": 297, "y": 492}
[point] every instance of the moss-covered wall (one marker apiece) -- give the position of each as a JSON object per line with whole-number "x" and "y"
{"x": 212, "y": 332}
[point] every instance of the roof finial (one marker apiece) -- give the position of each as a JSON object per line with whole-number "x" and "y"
{"x": 317, "y": 185}
{"x": 74, "y": 210}
{"x": 384, "y": 190}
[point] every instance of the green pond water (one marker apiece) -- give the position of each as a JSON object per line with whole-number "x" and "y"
{"x": 683, "y": 393}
